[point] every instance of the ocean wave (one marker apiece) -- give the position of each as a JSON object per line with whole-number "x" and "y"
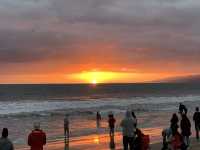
{"x": 77, "y": 107}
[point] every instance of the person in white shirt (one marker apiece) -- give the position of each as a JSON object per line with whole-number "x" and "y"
{"x": 128, "y": 131}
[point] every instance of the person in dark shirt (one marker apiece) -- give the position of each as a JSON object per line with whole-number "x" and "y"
{"x": 5, "y": 143}
{"x": 134, "y": 117}
{"x": 185, "y": 130}
{"x": 174, "y": 123}
{"x": 111, "y": 122}
{"x": 138, "y": 140}
{"x": 196, "y": 119}
{"x": 98, "y": 119}
{"x": 66, "y": 126}
{"x": 66, "y": 131}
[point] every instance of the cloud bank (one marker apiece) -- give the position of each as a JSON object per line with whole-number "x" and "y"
{"x": 143, "y": 35}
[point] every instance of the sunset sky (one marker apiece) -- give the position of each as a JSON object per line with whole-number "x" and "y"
{"x": 86, "y": 41}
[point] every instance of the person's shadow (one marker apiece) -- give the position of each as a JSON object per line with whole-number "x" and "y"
{"x": 112, "y": 143}
{"x": 66, "y": 147}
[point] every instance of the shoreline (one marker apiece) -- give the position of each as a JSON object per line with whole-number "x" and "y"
{"x": 100, "y": 142}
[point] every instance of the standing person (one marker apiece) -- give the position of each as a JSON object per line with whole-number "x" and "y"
{"x": 37, "y": 138}
{"x": 134, "y": 117}
{"x": 196, "y": 119}
{"x": 167, "y": 136}
{"x": 111, "y": 123}
{"x": 185, "y": 130}
{"x": 174, "y": 119}
{"x": 174, "y": 123}
{"x": 5, "y": 143}
{"x": 128, "y": 131}
{"x": 182, "y": 109}
{"x": 66, "y": 126}
{"x": 98, "y": 119}
{"x": 66, "y": 131}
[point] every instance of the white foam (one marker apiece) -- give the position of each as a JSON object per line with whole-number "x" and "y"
{"x": 46, "y": 105}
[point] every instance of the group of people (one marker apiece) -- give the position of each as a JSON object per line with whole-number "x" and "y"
{"x": 133, "y": 138}
{"x": 36, "y": 139}
{"x": 175, "y": 140}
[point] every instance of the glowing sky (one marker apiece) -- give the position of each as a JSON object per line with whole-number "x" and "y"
{"x": 60, "y": 41}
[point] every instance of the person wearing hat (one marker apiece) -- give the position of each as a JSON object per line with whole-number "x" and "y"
{"x": 37, "y": 138}
{"x": 5, "y": 143}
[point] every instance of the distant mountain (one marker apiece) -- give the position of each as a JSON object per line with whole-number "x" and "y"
{"x": 185, "y": 79}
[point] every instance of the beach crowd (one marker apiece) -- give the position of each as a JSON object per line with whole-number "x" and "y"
{"x": 175, "y": 137}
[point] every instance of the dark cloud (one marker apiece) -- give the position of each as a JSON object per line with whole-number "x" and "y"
{"x": 129, "y": 31}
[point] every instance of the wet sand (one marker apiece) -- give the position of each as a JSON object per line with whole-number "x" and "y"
{"x": 95, "y": 141}
{"x": 101, "y": 142}
{"x": 195, "y": 145}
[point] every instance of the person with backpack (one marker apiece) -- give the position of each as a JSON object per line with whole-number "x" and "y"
{"x": 196, "y": 119}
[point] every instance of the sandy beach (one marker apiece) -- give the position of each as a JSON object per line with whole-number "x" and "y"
{"x": 102, "y": 142}
{"x": 153, "y": 115}
{"x": 195, "y": 145}
{"x": 91, "y": 69}
{"x": 99, "y": 138}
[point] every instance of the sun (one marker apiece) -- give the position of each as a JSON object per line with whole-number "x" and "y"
{"x": 94, "y": 82}
{"x": 95, "y": 77}
{"x": 98, "y": 77}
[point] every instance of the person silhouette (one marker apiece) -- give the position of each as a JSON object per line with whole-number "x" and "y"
{"x": 66, "y": 126}
{"x": 185, "y": 130}
{"x": 182, "y": 109}
{"x": 196, "y": 119}
{"x": 66, "y": 131}
{"x": 111, "y": 123}
{"x": 134, "y": 117}
{"x": 5, "y": 143}
{"x": 174, "y": 123}
{"x": 98, "y": 119}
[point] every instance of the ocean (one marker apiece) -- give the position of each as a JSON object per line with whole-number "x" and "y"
{"x": 22, "y": 105}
